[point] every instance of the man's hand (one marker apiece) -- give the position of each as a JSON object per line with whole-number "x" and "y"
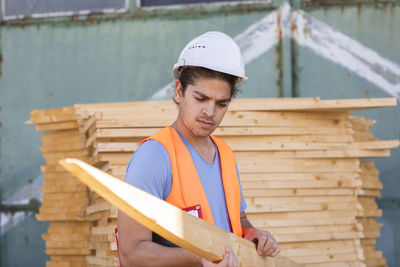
{"x": 229, "y": 260}
{"x": 266, "y": 243}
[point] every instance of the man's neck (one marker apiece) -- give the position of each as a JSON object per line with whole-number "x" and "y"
{"x": 203, "y": 145}
{"x": 195, "y": 141}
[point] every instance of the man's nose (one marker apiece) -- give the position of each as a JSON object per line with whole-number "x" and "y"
{"x": 209, "y": 109}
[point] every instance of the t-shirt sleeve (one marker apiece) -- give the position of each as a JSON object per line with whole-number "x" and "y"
{"x": 150, "y": 169}
{"x": 243, "y": 204}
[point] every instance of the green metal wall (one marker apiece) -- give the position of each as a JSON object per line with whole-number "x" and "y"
{"x": 54, "y": 62}
{"x": 377, "y": 27}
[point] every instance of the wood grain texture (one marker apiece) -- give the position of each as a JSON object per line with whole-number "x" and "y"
{"x": 185, "y": 230}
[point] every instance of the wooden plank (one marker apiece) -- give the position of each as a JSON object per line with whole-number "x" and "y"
{"x": 311, "y": 104}
{"x": 98, "y": 207}
{"x": 64, "y": 182}
{"x": 52, "y": 166}
{"x": 210, "y": 245}
{"x": 264, "y": 104}
{"x": 99, "y": 230}
{"x": 106, "y": 253}
{"x": 103, "y": 245}
{"x": 60, "y": 188}
{"x": 328, "y": 258}
{"x": 66, "y": 228}
{"x": 65, "y": 203}
{"x": 263, "y": 143}
{"x": 63, "y": 154}
{"x": 66, "y": 263}
{"x": 299, "y": 192}
{"x": 58, "y": 137}
{"x": 322, "y": 244}
{"x": 295, "y": 177}
{"x": 65, "y": 196}
{"x": 58, "y": 176}
{"x": 71, "y": 146}
{"x": 288, "y": 207}
{"x": 125, "y": 114}
{"x": 311, "y": 215}
{"x": 68, "y": 251}
{"x": 296, "y": 222}
{"x": 43, "y": 210}
{"x": 67, "y": 244}
{"x": 312, "y": 154}
{"x": 63, "y": 237}
{"x": 279, "y": 184}
{"x": 112, "y": 213}
{"x": 255, "y": 162}
{"x": 270, "y": 150}
{"x": 304, "y": 199}
{"x": 362, "y": 120}
{"x": 52, "y": 115}
{"x": 346, "y": 263}
{"x": 369, "y": 192}
{"x": 102, "y": 261}
{"x": 101, "y": 133}
{"x": 301, "y": 237}
{"x": 363, "y": 137}
{"x": 315, "y": 229}
{"x": 317, "y": 251}
{"x": 368, "y": 167}
{"x": 66, "y": 125}
{"x": 243, "y": 119}
{"x": 61, "y": 217}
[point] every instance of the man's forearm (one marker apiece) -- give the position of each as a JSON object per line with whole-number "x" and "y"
{"x": 246, "y": 225}
{"x": 148, "y": 253}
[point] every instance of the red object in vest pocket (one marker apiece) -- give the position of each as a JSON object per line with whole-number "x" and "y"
{"x": 195, "y": 211}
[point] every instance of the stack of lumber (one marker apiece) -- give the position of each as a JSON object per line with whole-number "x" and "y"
{"x": 369, "y": 189}
{"x": 64, "y": 198}
{"x": 300, "y": 168}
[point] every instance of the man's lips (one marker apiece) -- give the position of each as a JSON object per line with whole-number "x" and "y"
{"x": 206, "y": 123}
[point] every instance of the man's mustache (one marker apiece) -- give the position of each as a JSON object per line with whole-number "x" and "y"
{"x": 206, "y": 119}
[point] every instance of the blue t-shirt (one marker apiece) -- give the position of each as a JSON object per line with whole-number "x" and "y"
{"x": 150, "y": 170}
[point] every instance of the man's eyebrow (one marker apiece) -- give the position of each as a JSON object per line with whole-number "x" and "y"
{"x": 201, "y": 94}
{"x": 224, "y": 100}
{"x": 207, "y": 97}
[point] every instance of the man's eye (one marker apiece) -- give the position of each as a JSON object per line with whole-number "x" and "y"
{"x": 199, "y": 99}
{"x": 222, "y": 104}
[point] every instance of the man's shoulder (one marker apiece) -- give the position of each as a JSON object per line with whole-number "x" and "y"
{"x": 152, "y": 148}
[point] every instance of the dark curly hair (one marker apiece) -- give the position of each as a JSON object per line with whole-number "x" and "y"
{"x": 188, "y": 75}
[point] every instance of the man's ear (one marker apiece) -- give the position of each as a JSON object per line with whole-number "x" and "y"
{"x": 178, "y": 91}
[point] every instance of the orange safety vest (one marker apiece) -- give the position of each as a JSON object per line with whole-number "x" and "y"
{"x": 187, "y": 190}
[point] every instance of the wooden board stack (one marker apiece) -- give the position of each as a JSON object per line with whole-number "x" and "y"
{"x": 64, "y": 198}
{"x": 299, "y": 163}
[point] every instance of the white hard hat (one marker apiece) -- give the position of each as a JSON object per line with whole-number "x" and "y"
{"x": 212, "y": 50}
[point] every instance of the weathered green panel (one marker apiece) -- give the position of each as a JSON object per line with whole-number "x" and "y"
{"x": 22, "y": 245}
{"x": 375, "y": 27}
{"x": 105, "y": 58}
{"x": 52, "y": 65}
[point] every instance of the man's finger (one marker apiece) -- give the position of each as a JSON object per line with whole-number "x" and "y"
{"x": 262, "y": 242}
{"x": 270, "y": 248}
{"x": 276, "y": 252}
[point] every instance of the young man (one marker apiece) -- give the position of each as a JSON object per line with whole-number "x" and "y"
{"x": 187, "y": 167}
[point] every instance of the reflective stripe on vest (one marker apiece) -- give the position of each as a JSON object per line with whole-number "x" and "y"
{"x": 187, "y": 190}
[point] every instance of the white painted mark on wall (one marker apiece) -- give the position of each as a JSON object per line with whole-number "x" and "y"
{"x": 322, "y": 39}
{"x": 21, "y": 197}
{"x": 347, "y": 52}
